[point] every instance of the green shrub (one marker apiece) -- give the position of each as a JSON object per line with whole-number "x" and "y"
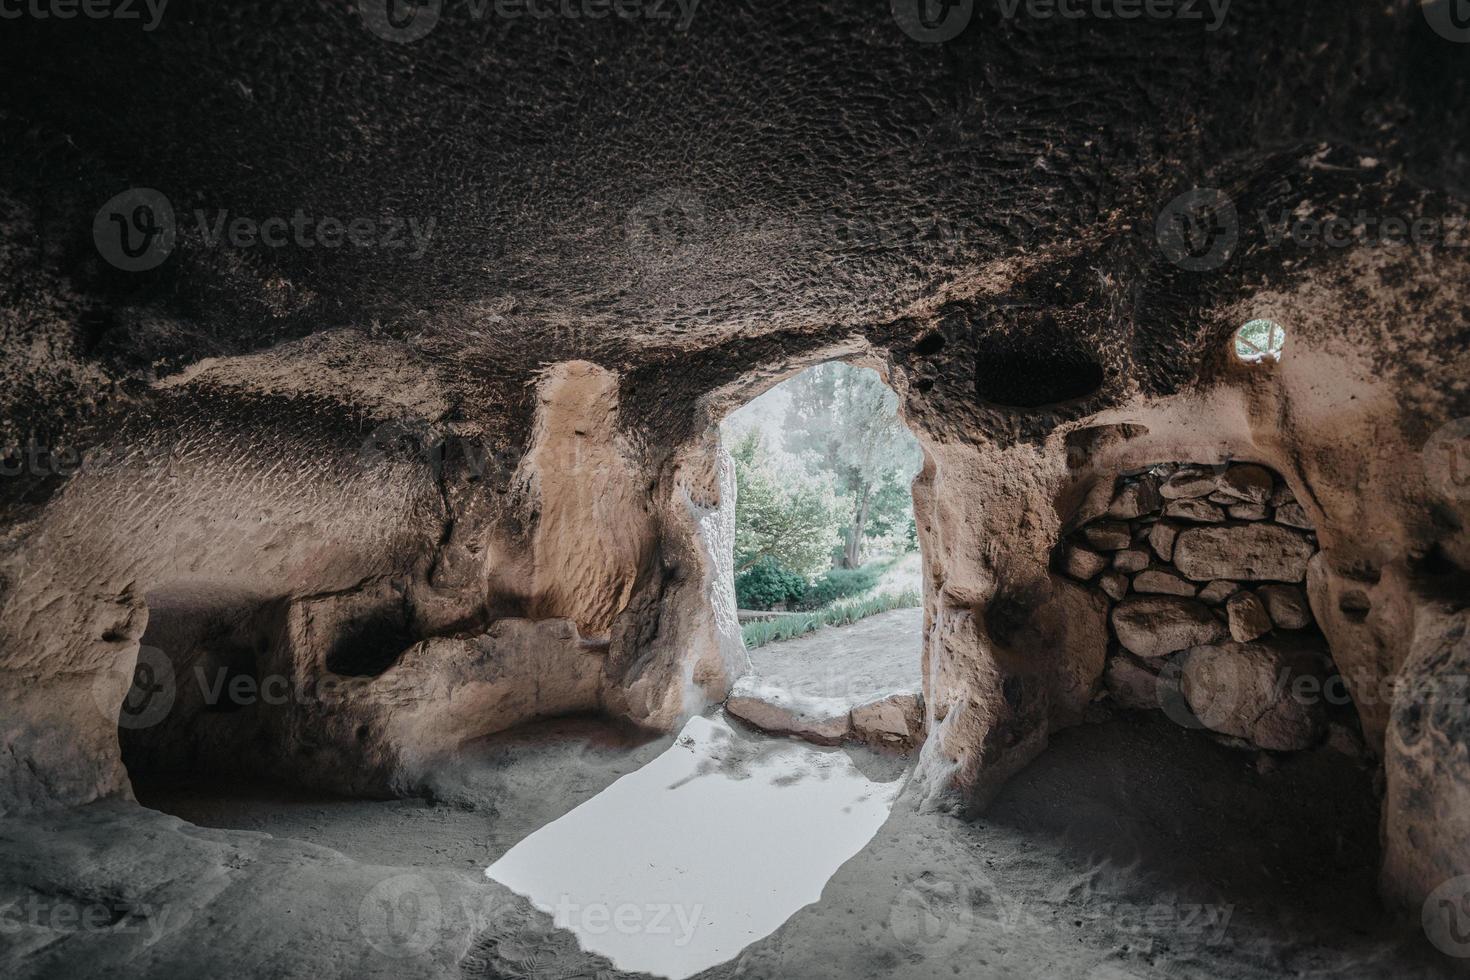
{"x": 765, "y": 584}
{"x": 841, "y": 583}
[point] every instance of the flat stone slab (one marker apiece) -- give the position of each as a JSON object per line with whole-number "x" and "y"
{"x": 1243, "y": 552}
{"x": 860, "y": 681}
{"x": 1158, "y": 625}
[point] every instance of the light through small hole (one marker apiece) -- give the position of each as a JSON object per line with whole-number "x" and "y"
{"x": 1260, "y": 340}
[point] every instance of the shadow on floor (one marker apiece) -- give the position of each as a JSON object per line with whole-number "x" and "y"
{"x": 482, "y": 802}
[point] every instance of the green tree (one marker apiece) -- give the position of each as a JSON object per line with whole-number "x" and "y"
{"x": 844, "y": 421}
{"x": 782, "y": 513}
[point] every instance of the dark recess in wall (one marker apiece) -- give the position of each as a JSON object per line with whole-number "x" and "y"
{"x": 371, "y": 644}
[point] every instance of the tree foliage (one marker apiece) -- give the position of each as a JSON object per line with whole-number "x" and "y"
{"x": 783, "y": 514}
{"x": 843, "y": 421}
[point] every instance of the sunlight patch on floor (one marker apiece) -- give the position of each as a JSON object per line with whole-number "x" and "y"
{"x": 679, "y": 866}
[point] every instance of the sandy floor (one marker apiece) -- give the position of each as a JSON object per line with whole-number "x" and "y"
{"x": 1133, "y": 848}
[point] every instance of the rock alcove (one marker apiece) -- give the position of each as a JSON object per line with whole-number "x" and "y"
{"x": 1206, "y": 571}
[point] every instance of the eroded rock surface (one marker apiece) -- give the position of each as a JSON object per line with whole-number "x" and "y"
{"x": 1243, "y": 551}
{"x": 1247, "y": 690}
{"x": 1159, "y": 626}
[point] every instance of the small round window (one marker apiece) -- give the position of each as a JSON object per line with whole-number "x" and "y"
{"x": 1260, "y": 340}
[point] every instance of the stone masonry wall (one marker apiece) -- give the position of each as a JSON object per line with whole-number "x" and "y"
{"x": 1203, "y": 569}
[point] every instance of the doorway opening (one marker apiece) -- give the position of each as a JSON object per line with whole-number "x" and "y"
{"x": 828, "y": 576}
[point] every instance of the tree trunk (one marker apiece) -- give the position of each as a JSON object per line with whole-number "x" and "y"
{"x": 852, "y": 552}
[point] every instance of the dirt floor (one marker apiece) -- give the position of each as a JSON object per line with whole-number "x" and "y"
{"x": 869, "y": 659}
{"x": 1133, "y": 848}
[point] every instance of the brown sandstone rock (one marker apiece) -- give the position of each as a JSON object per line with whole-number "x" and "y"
{"x": 1248, "y": 617}
{"x": 1218, "y": 591}
{"x": 1293, "y": 515}
{"x": 775, "y": 711}
{"x": 1082, "y": 563}
{"x": 1265, "y": 552}
{"x": 897, "y": 720}
{"x": 1136, "y": 498}
{"x": 1132, "y": 560}
{"x": 1131, "y": 684}
{"x": 1248, "y": 690}
{"x": 1247, "y": 482}
{"x": 1198, "y": 511}
{"x": 1108, "y": 535}
{"x": 1161, "y": 538}
{"x": 1077, "y": 638}
{"x": 1115, "y": 584}
{"x": 1163, "y": 582}
{"x": 1247, "y": 512}
{"x": 1188, "y": 483}
{"x": 1287, "y": 605}
{"x": 1155, "y": 626}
